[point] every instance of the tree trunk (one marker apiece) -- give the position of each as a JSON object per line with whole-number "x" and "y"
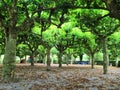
{"x": 105, "y": 61}
{"x": 48, "y": 59}
{"x": 60, "y": 59}
{"x": 32, "y": 59}
{"x": 67, "y": 58}
{"x": 9, "y": 57}
{"x": 80, "y": 57}
{"x": 116, "y": 61}
{"x": 92, "y": 61}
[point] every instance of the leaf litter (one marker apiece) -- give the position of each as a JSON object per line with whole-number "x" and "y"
{"x": 71, "y": 77}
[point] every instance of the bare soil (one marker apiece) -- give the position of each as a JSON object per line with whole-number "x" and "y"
{"x": 71, "y": 77}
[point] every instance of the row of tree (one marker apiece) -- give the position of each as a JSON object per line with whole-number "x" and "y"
{"x": 19, "y": 18}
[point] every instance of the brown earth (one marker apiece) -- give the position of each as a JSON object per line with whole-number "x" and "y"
{"x": 71, "y": 77}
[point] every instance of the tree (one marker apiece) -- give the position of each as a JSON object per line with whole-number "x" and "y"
{"x": 91, "y": 46}
{"x": 98, "y": 23}
{"x": 48, "y": 43}
{"x": 32, "y": 41}
{"x": 63, "y": 38}
{"x": 9, "y": 23}
{"x": 77, "y": 42}
{"x": 102, "y": 28}
{"x": 110, "y": 27}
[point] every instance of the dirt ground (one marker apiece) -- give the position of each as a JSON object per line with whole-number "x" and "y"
{"x": 71, "y": 77}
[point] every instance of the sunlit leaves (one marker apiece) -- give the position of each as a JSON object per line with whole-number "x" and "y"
{"x": 90, "y": 40}
{"x": 77, "y": 33}
{"x": 36, "y": 29}
{"x": 22, "y": 50}
{"x": 41, "y": 50}
{"x": 48, "y": 38}
{"x": 44, "y": 15}
{"x": 107, "y": 26}
{"x": 114, "y": 43}
{"x": 68, "y": 26}
{"x": 54, "y": 50}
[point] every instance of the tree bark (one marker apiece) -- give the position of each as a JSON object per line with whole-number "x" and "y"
{"x": 67, "y": 58}
{"x": 60, "y": 59}
{"x": 9, "y": 57}
{"x": 80, "y": 57}
{"x": 48, "y": 59}
{"x": 105, "y": 61}
{"x": 32, "y": 59}
{"x": 92, "y": 61}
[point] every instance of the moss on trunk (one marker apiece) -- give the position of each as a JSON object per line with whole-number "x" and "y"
{"x": 105, "y": 60}
{"x": 9, "y": 58}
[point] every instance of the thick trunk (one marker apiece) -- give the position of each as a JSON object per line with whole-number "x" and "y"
{"x": 48, "y": 59}
{"x": 105, "y": 61}
{"x": 60, "y": 59}
{"x": 9, "y": 58}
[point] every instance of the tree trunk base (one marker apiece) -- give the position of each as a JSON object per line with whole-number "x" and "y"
{"x": 48, "y": 68}
{"x": 8, "y": 72}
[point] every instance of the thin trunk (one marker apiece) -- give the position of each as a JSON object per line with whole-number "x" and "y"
{"x": 67, "y": 57}
{"x": 25, "y": 55}
{"x": 92, "y": 61}
{"x": 60, "y": 59}
{"x": 52, "y": 59}
{"x": 9, "y": 58}
{"x": 117, "y": 61}
{"x": 80, "y": 57}
{"x": 105, "y": 61}
{"x": 108, "y": 60}
{"x": 32, "y": 59}
{"x": 48, "y": 59}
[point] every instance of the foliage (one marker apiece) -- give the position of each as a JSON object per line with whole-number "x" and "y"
{"x": 48, "y": 37}
{"x": 22, "y": 50}
{"x": 89, "y": 40}
{"x": 114, "y": 44}
{"x": 54, "y": 51}
{"x": 2, "y": 42}
{"x": 98, "y": 56}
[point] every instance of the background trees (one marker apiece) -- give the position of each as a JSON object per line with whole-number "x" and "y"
{"x": 102, "y": 27}
{"x": 48, "y": 43}
{"x": 62, "y": 37}
{"x": 91, "y": 46}
{"x": 100, "y": 17}
{"x": 17, "y": 16}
